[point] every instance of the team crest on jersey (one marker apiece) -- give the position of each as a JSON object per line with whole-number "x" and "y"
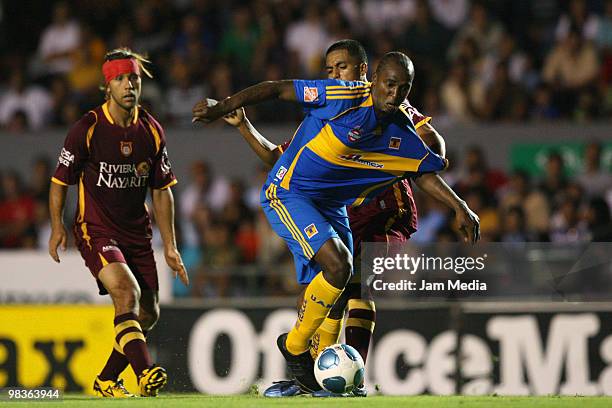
{"x": 281, "y": 172}
{"x": 354, "y": 134}
{"x": 311, "y": 231}
{"x": 311, "y": 94}
{"x": 126, "y": 148}
{"x": 142, "y": 169}
{"x": 394, "y": 143}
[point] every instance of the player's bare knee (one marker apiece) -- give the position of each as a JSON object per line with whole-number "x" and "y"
{"x": 125, "y": 299}
{"x": 338, "y": 271}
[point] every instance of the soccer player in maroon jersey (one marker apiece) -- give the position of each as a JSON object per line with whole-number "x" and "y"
{"x": 390, "y": 217}
{"x": 115, "y": 153}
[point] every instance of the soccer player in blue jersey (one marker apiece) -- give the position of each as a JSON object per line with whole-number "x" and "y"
{"x": 354, "y": 142}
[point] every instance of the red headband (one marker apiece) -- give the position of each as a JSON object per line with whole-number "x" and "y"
{"x": 114, "y": 68}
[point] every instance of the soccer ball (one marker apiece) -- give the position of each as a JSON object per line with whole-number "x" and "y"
{"x": 339, "y": 369}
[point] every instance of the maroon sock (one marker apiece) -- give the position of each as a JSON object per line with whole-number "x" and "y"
{"x": 115, "y": 365}
{"x": 357, "y": 335}
{"x": 129, "y": 333}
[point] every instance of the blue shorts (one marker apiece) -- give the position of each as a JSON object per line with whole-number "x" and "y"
{"x": 305, "y": 227}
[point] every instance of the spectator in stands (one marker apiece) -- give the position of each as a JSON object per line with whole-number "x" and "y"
{"x": 566, "y": 225}
{"x": 504, "y": 100}
{"x": 604, "y": 29}
{"x": 450, "y": 13}
{"x": 595, "y": 180}
{"x": 598, "y": 220}
{"x": 183, "y": 93}
{"x": 151, "y": 36}
{"x": 59, "y": 41}
{"x": 569, "y": 68}
{"x": 85, "y": 76}
{"x": 459, "y": 94}
{"x": 308, "y": 53}
{"x": 487, "y": 32}
{"x": 514, "y": 227}
{"x": 587, "y": 24}
{"x": 29, "y": 102}
{"x": 426, "y": 40}
{"x": 477, "y": 174}
{"x": 17, "y": 214}
{"x": 519, "y": 193}
{"x": 542, "y": 108}
{"x": 238, "y": 44}
{"x": 554, "y": 182}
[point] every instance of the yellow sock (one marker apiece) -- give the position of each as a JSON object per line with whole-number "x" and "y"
{"x": 327, "y": 334}
{"x": 319, "y": 298}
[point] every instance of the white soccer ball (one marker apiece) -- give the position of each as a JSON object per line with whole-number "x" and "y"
{"x": 339, "y": 369}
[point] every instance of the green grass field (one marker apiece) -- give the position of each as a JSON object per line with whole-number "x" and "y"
{"x": 199, "y": 400}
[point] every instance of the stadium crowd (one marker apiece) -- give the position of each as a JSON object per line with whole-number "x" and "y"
{"x": 498, "y": 60}
{"x": 230, "y": 249}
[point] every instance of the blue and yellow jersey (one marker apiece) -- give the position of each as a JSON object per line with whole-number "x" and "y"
{"x": 342, "y": 154}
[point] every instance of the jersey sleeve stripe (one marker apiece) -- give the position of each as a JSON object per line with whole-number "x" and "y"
{"x": 57, "y": 181}
{"x": 107, "y": 113}
{"x": 170, "y": 184}
{"x": 427, "y": 119}
{"x": 333, "y": 87}
{"x": 91, "y": 130}
{"x": 155, "y": 137}
{"x": 356, "y": 96}
{"x": 349, "y": 91}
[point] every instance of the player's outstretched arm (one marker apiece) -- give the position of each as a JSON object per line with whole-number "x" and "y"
{"x": 57, "y": 201}
{"x": 267, "y": 151}
{"x": 468, "y": 221}
{"x": 264, "y": 91}
{"x": 163, "y": 205}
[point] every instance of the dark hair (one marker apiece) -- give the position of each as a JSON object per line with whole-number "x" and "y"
{"x": 354, "y": 48}
{"x": 398, "y": 58}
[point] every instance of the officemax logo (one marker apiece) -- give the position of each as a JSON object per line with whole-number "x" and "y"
{"x": 357, "y": 159}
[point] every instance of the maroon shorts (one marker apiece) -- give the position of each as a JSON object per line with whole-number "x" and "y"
{"x": 99, "y": 252}
{"x": 382, "y": 227}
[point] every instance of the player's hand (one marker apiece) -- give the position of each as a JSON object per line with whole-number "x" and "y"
{"x": 469, "y": 223}
{"x": 235, "y": 118}
{"x": 174, "y": 261}
{"x": 57, "y": 239}
{"x": 206, "y": 111}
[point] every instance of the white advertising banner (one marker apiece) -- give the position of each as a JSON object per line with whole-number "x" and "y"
{"x": 33, "y": 277}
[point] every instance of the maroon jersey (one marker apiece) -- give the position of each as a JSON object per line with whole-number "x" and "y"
{"x": 114, "y": 167}
{"x": 393, "y": 210}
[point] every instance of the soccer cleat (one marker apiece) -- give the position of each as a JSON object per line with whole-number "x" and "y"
{"x": 111, "y": 389}
{"x": 151, "y": 380}
{"x": 301, "y": 366}
{"x": 360, "y": 391}
{"x": 285, "y": 388}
